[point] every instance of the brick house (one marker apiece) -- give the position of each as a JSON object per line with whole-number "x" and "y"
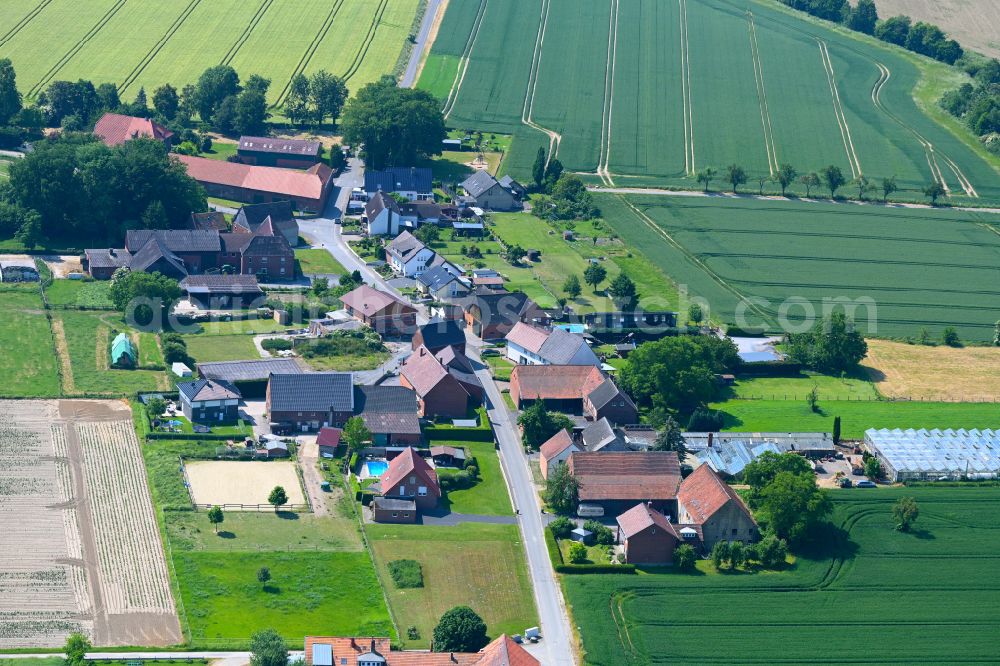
{"x": 438, "y": 334}
{"x": 280, "y": 215}
{"x": 532, "y": 345}
{"x": 341, "y": 651}
{"x": 491, "y": 314}
{"x": 709, "y": 503}
{"x": 263, "y": 253}
{"x": 410, "y": 477}
{"x": 209, "y": 401}
{"x": 617, "y": 481}
{"x": 386, "y": 313}
{"x": 439, "y": 392}
{"x": 647, "y": 535}
{"x": 556, "y": 451}
{"x": 114, "y": 129}
{"x": 309, "y": 401}
{"x": 489, "y": 193}
{"x": 573, "y": 389}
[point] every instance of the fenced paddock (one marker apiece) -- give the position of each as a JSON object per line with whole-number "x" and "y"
{"x": 234, "y": 484}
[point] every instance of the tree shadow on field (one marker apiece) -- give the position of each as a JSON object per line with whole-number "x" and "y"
{"x": 226, "y": 534}
{"x": 272, "y": 589}
{"x": 923, "y": 534}
{"x": 827, "y": 541}
{"x": 287, "y": 515}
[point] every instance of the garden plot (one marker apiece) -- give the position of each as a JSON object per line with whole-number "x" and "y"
{"x": 244, "y": 483}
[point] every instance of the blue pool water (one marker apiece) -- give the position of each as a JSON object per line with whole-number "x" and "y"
{"x": 376, "y": 467}
{"x": 572, "y": 328}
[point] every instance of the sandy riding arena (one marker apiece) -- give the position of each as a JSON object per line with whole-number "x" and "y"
{"x": 239, "y": 482}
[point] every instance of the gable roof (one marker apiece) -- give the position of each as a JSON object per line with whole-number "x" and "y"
{"x": 384, "y": 400}
{"x": 556, "y": 382}
{"x": 422, "y": 210}
{"x": 501, "y": 307}
{"x": 115, "y": 129}
{"x": 399, "y": 179}
{"x": 405, "y": 246}
{"x": 600, "y": 436}
{"x": 479, "y": 183}
{"x": 633, "y": 475}
{"x": 440, "y": 333}
{"x": 556, "y": 444}
{"x": 603, "y": 393}
{"x": 529, "y": 337}
{"x": 207, "y": 389}
{"x": 369, "y": 301}
{"x": 175, "y": 240}
{"x": 378, "y": 203}
{"x": 704, "y": 492}
{"x": 508, "y": 183}
{"x": 329, "y": 436}
{"x": 107, "y": 258}
{"x": 312, "y": 392}
{"x": 251, "y": 216}
{"x": 436, "y": 277}
{"x": 264, "y": 144}
{"x": 640, "y": 518}
{"x": 405, "y": 464}
{"x": 424, "y": 372}
{"x": 453, "y": 359}
{"x": 308, "y": 184}
{"x": 153, "y": 251}
{"x": 221, "y": 284}
{"x": 330, "y": 651}
{"x": 248, "y": 371}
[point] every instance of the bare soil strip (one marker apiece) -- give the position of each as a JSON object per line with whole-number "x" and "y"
{"x": 62, "y": 350}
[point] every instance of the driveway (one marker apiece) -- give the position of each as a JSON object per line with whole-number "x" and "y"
{"x": 311, "y": 476}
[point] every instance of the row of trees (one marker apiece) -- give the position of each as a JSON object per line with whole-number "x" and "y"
{"x": 978, "y": 103}
{"x": 622, "y": 289}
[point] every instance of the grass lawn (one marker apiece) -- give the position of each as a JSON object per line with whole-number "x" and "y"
{"x": 239, "y": 429}
{"x": 501, "y": 367}
{"x": 452, "y": 166}
{"x": 149, "y": 349}
{"x": 220, "y": 150}
{"x": 318, "y": 262}
{"x": 206, "y": 348}
{"x": 856, "y": 416}
{"x": 4, "y": 169}
{"x": 345, "y": 350}
{"x": 225, "y": 203}
{"x": 28, "y": 661}
{"x": 253, "y": 531}
{"x": 80, "y": 293}
{"x": 347, "y": 363}
{"x": 26, "y": 349}
{"x": 595, "y": 554}
{"x": 242, "y": 326}
{"x": 489, "y": 496}
{"x": 481, "y": 566}
{"x": 797, "y": 388}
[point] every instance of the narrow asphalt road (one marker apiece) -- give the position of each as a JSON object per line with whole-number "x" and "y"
{"x": 410, "y": 75}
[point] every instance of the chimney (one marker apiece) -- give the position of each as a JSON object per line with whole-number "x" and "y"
{"x": 373, "y": 646}
{"x": 423, "y": 350}
{"x": 452, "y": 658}
{"x": 353, "y": 644}
{"x": 710, "y": 440}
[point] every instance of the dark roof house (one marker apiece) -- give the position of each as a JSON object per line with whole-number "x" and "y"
{"x": 250, "y": 217}
{"x": 400, "y": 179}
{"x": 438, "y": 334}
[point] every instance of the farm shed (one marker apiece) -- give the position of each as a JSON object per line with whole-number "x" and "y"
{"x": 18, "y": 270}
{"x": 180, "y": 369}
{"x": 729, "y": 452}
{"x": 123, "y": 352}
{"x": 928, "y": 455}
{"x": 249, "y": 376}
{"x": 328, "y": 440}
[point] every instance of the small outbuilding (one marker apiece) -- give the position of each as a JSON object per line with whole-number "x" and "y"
{"x": 448, "y": 456}
{"x": 391, "y": 510}
{"x": 180, "y": 369}
{"x": 123, "y": 354}
{"x": 328, "y": 440}
{"x": 581, "y": 534}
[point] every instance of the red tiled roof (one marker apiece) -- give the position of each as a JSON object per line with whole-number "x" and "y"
{"x": 528, "y": 337}
{"x": 502, "y": 651}
{"x": 555, "y": 445}
{"x": 115, "y": 129}
{"x": 703, "y": 493}
{"x": 423, "y": 371}
{"x": 632, "y": 475}
{"x": 640, "y": 517}
{"x": 556, "y": 382}
{"x": 329, "y": 437}
{"x": 370, "y": 301}
{"x": 307, "y": 184}
{"x": 405, "y": 464}
{"x": 347, "y": 648}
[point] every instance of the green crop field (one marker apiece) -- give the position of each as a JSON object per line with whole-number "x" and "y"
{"x": 208, "y": 348}
{"x": 26, "y": 349}
{"x": 921, "y": 268}
{"x": 650, "y": 92}
{"x": 880, "y": 596}
{"x": 145, "y": 44}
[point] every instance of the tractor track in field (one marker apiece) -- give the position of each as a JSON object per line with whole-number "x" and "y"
{"x": 463, "y": 62}
{"x": 158, "y": 46}
{"x": 765, "y": 114}
{"x": 307, "y": 55}
{"x": 247, "y": 31}
{"x": 838, "y": 109}
{"x": 25, "y": 20}
{"x": 686, "y": 90}
{"x": 609, "y": 94}
{"x": 369, "y": 40}
{"x": 75, "y": 49}
{"x": 529, "y": 94}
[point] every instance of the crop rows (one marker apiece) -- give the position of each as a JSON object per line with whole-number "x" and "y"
{"x": 156, "y": 48}
{"x": 130, "y": 558}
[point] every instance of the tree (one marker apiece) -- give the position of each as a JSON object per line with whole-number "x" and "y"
{"x": 812, "y": 399}
{"x": 327, "y": 94}
{"x": 833, "y": 178}
{"x": 460, "y": 630}
{"x": 155, "y": 408}
{"x": 514, "y": 254}
{"x": 863, "y": 17}
{"x": 267, "y": 647}
{"x": 155, "y": 216}
{"x": 622, "y": 291}
{"x": 894, "y": 30}
{"x": 864, "y": 186}
{"x": 397, "y": 126}
{"x": 669, "y": 438}
{"x": 905, "y": 512}
{"x": 935, "y": 190}
{"x": 569, "y": 200}
{"x": 996, "y": 334}
{"x": 594, "y": 275}
{"x": 836, "y": 430}
{"x": 809, "y": 180}
{"x": 705, "y": 420}
{"x": 794, "y": 506}
{"x": 736, "y": 175}
{"x": 685, "y": 557}
{"x": 562, "y": 490}
{"x": 65, "y": 98}
{"x": 737, "y": 554}
{"x": 553, "y": 172}
{"x": 297, "y": 102}
{"x": 538, "y": 424}
{"x": 950, "y": 337}
{"x": 561, "y": 527}
{"x": 250, "y": 114}
{"x": 762, "y": 180}
{"x": 215, "y": 85}
{"x": 10, "y": 98}
{"x": 29, "y": 234}
{"x": 257, "y": 83}
{"x": 602, "y": 535}
{"x": 720, "y": 553}
{"x": 833, "y": 345}
{"x": 126, "y": 286}
{"x": 277, "y": 497}
{"x": 76, "y": 649}
{"x": 888, "y": 187}
{"x": 785, "y": 176}
{"x": 706, "y": 176}
{"x": 538, "y": 168}
{"x": 873, "y": 469}
{"x": 761, "y": 471}
{"x": 695, "y": 313}
{"x": 356, "y": 434}
{"x": 771, "y": 551}
{"x": 166, "y": 101}
{"x": 215, "y": 516}
{"x": 428, "y": 233}
{"x": 577, "y": 553}
{"x": 572, "y": 286}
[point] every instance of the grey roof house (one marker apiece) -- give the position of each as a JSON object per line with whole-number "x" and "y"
{"x": 250, "y": 217}
{"x": 209, "y": 401}
{"x": 414, "y": 183}
{"x": 489, "y": 193}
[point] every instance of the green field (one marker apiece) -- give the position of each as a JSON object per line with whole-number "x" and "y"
{"x": 208, "y": 348}
{"x": 80, "y": 293}
{"x": 880, "y": 596}
{"x": 147, "y": 44}
{"x": 922, "y": 268}
{"x": 312, "y": 262}
{"x": 797, "y": 388}
{"x": 642, "y": 89}
{"x": 26, "y": 349}
{"x": 489, "y": 496}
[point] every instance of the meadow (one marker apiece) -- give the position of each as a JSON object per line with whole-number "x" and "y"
{"x": 637, "y": 92}
{"x": 26, "y": 346}
{"x": 864, "y": 601}
{"x": 922, "y": 268}
{"x": 318, "y": 262}
{"x": 487, "y": 497}
{"x": 147, "y": 44}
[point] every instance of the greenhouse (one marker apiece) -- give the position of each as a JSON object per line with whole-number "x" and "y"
{"x": 929, "y": 455}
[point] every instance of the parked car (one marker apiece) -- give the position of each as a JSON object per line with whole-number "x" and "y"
{"x": 866, "y": 484}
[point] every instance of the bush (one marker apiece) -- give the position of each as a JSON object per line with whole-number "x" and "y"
{"x": 596, "y": 569}
{"x": 406, "y": 573}
{"x": 276, "y": 344}
{"x": 705, "y": 420}
{"x": 555, "y": 555}
{"x": 561, "y": 527}
{"x": 602, "y": 535}
{"x": 685, "y": 557}
{"x": 577, "y": 553}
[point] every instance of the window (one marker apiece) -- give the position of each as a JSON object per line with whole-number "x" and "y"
{"x": 395, "y": 515}
{"x": 402, "y": 490}
{"x": 406, "y": 515}
{"x": 734, "y": 531}
{"x": 413, "y": 479}
{"x": 422, "y": 491}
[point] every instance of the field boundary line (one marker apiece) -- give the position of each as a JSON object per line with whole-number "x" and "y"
{"x": 686, "y": 89}
{"x": 765, "y": 114}
{"x": 310, "y": 51}
{"x": 838, "y": 109}
{"x": 609, "y": 92}
{"x": 529, "y": 94}
{"x": 463, "y": 63}
{"x": 25, "y": 20}
{"x": 158, "y": 46}
{"x": 369, "y": 40}
{"x": 247, "y": 31}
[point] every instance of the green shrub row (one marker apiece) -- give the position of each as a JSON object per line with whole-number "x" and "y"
{"x": 553, "y": 547}
{"x": 596, "y": 568}
{"x": 201, "y": 436}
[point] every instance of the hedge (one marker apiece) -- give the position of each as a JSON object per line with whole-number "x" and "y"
{"x": 203, "y": 436}
{"x": 771, "y": 369}
{"x": 595, "y": 568}
{"x": 553, "y": 547}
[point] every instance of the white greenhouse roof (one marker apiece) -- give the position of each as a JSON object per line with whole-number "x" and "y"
{"x": 938, "y": 451}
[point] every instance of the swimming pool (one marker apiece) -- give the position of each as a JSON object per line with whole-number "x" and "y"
{"x": 572, "y": 328}
{"x": 375, "y": 468}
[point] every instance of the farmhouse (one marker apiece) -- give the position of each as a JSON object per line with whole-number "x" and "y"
{"x": 556, "y": 451}
{"x": 249, "y": 218}
{"x": 115, "y": 129}
{"x": 437, "y": 334}
{"x": 713, "y": 507}
{"x": 416, "y": 184}
{"x": 491, "y": 315}
{"x": 309, "y": 401}
{"x": 209, "y": 401}
{"x": 573, "y": 389}
{"x": 335, "y": 651}
{"x": 249, "y": 376}
{"x": 221, "y": 292}
{"x": 531, "y": 345}
{"x": 647, "y": 535}
{"x": 618, "y": 481}
{"x": 408, "y": 256}
{"x": 307, "y": 190}
{"x": 381, "y": 216}
{"x": 276, "y": 152}
{"x": 931, "y": 455}
{"x": 123, "y": 353}
{"x": 265, "y": 252}
{"x": 488, "y": 193}
{"x": 439, "y": 391}
{"x": 384, "y": 312}
{"x": 410, "y": 477}
{"x": 18, "y": 270}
